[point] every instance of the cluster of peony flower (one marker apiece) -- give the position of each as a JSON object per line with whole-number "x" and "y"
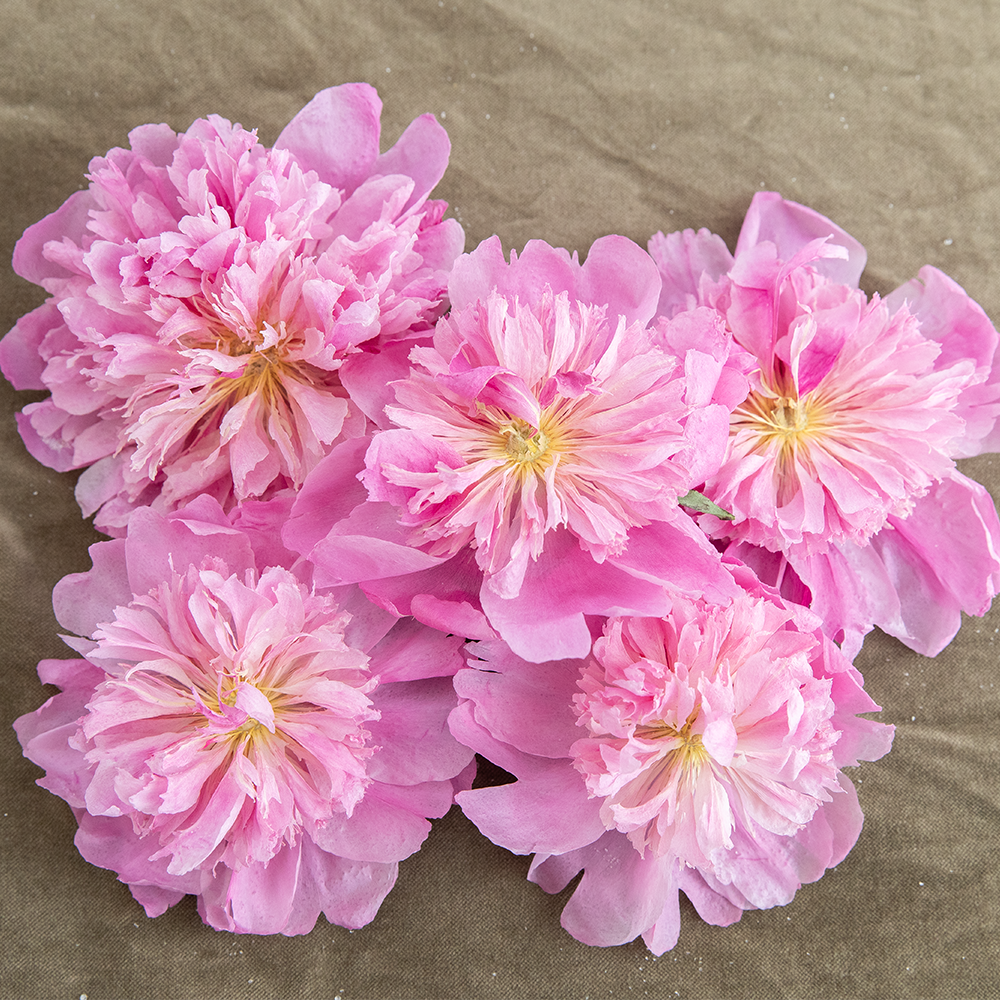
{"x": 376, "y": 506}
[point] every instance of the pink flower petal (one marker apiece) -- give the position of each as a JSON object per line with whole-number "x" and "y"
{"x": 337, "y": 134}
{"x": 620, "y": 896}
{"x": 790, "y": 227}
{"x": 421, "y": 152}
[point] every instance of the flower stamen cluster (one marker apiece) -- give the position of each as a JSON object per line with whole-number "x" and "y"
{"x": 241, "y": 686}
{"x": 705, "y": 724}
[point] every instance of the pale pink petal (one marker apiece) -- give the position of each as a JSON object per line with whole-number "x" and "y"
{"x": 548, "y": 813}
{"x": 412, "y": 652}
{"x": 620, "y": 896}
{"x": 948, "y": 316}
{"x": 526, "y": 706}
{"x": 330, "y": 493}
{"x": 260, "y": 895}
{"x": 67, "y": 221}
{"x": 375, "y": 831}
{"x": 619, "y": 274}
{"x": 790, "y": 227}
{"x": 421, "y": 152}
{"x": 686, "y": 260}
{"x": 82, "y": 600}
{"x": 22, "y": 359}
{"x": 337, "y": 134}
{"x": 348, "y": 893}
{"x": 416, "y": 745}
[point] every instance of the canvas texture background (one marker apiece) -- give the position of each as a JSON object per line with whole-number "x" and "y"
{"x": 569, "y": 119}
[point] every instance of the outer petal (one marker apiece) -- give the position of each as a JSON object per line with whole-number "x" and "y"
{"x": 156, "y": 544}
{"x": 790, "y": 227}
{"x": 69, "y": 220}
{"x": 83, "y": 600}
{"x": 261, "y": 895}
{"x": 21, "y": 357}
{"x": 483, "y": 268}
{"x": 337, "y": 134}
{"x": 546, "y": 810}
{"x": 621, "y": 894}
{"x": 546, "y": 620}
{"x": 947, "y": 315}
{"x": 331, "y": 491}
{"x": 421, "y": 152}
{"x": 943, "y": 559}
{"x": 684, "y": 260}
{"x": 416, "y": 745}
{"x": 377, "y": 831}
{"x": 528, "y": 705}
{"x": 620, "y": 274}
{"x": 348, "y": 893}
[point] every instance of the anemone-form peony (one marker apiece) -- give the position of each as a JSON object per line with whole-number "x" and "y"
{"x": 840, "y": 468}
{"x": 235, "y": 734}
{"x": 211, "y": 298}
{"x": 541, "y": 445}
{"x": 699, "y": 753}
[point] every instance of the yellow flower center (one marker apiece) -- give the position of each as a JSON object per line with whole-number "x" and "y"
{"x": 785, "y": 421}
{"x": 691, "y": 753}
{"x": 262, "y": 376}
{"x": 527, "y": 448}
{"x": 524, "y": 444}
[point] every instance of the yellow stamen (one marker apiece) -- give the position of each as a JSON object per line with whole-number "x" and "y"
{"x": 784, "y": 420}
{"x": 262, "y": 377}
{"x": 691, "y": 753}
{"x": 527, "y": 448}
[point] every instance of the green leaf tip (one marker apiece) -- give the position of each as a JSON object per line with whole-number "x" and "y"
{"x": 699, "y": 502}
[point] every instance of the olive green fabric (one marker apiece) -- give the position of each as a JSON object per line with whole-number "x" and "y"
{"x": 569, "y": 119}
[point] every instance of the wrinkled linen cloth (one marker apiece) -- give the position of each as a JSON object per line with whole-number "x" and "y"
{"x": 569, "y": 120}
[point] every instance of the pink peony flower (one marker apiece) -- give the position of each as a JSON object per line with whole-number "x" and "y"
{"x": 212, "y": 301}
{"x": 709, "y": 763}
{"x": 550, "y": 433}
{"x": 235, "y": 734}
{"x": 840, "y": 466}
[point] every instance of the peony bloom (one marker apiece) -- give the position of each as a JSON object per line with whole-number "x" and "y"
{"x": 212, "y": 299}
{"x": 840, "y": 467}
{"x": 234, "y": 734}
{"x": 699, "y": 752}
{"x": 541, "y": 446}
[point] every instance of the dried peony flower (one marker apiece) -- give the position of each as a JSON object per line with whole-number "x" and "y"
{"x": 840, "y": 468}
{"x": 548, "y": 433}
{"x": 234, "y": 734}
{"x": 211, "y": 299}
{"x": 709, "y": 763}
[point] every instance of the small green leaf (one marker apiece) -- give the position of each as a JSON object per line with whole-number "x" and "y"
{"x": 699, "y": 502}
